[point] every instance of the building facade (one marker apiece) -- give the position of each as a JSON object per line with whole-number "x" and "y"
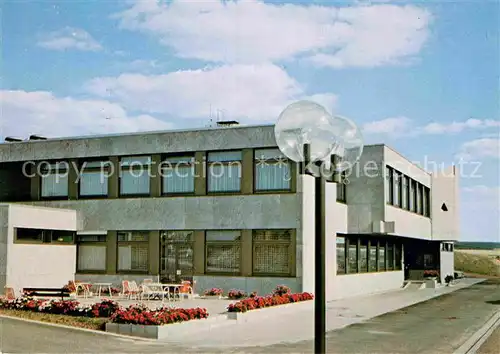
{"x": 222, "y": 207}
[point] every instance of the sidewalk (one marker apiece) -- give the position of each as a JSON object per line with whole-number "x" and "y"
{"x": 299, "y": 326}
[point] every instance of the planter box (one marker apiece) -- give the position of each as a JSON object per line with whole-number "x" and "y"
{"x": 270, "y": 311}
{"x": 431, "y": 283}
{"x": 169, "y": 330}
{"x": 211, "y": 297}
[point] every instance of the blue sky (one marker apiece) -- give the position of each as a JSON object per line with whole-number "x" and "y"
{"x": 420, "y": 76}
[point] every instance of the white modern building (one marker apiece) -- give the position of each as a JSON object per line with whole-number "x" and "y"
{"x": 218, "y": 206}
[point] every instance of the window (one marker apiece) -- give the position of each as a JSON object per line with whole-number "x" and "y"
{"x": 405, "y": 195}
{"x": 177, "y": 252}
{"x": 94, "y": 178}
{"x": 390, "y": 256}
{"x": 397, "y": 257}
{"x": 272, "y": 170}
{"x": 62, "y": 236}
{"x": 352, "y": 256}
{"x": 135, "y": 175}
{"x": 44, "y": 236}
{"x": 342, "y": 188}
{"x": 427, "y": 202}
{"x": 133, "y": 250}
{"x": 224, "y": 173}
{"x": 340, "y": 255}
{"x": 397, "y": 188}
{"x": 372, "y": 256}
{"x": 28, "y": 235}
{"x": 363, "y": 256}
{"x": 420, "y": 199}
{"x": 223, "y": 251}
{"x": 178, "y": 175}
{"x": 389, "y": 190}
{"x": 54, "y": 179}
{"x": 271, "y": 252}
{"x": 381, "y": 256}
{"x": 415, "y": 196}
{"x": 91, "y": 253}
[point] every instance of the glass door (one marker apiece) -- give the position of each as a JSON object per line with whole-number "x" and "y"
{"x": 176, "y": 263}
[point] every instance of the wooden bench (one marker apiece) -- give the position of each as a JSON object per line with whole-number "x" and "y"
{"x": 47, "y": 292}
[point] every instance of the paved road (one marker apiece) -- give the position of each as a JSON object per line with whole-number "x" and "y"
{"x": 439, "y": 325}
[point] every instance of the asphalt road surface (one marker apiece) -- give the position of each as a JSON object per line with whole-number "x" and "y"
{"x": 439, "y": 325}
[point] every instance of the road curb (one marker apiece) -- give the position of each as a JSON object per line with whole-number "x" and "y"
{"x": 77, "y": 329}
{"x": 475, "y": 341}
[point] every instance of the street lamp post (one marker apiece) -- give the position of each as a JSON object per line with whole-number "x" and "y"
{"x": 319, "y": 244}
{"x": 305, "y": 132}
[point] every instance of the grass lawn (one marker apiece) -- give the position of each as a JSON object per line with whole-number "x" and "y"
{"x": 80, "y": 322}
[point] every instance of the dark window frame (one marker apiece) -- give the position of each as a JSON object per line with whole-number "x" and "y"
{"x": 275, "y": 161}
{"x": 100, "y": 242}
{"x": 121, "y": 168}
{"x": 102, "y": 169}
{"x": 43, "y": 170}
{"x": 131, "y": 243}
{"x": 162, "y": 168}
{"x": 289, "y": 243}
{"x": 238, "y": 244}
{"x": 209, "y": 164}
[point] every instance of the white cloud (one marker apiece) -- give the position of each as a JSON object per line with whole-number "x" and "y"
{"x": 457, "y": 127}
{"x": 252, "y": 93}
{"x": 392, "y": 126}
{"x": 40, "y": 112}
{"x": 480, "y": 148}
{"x": 69, "y": 38}
{"x": 251, "y": 31}
{"x": 406, "y": 127}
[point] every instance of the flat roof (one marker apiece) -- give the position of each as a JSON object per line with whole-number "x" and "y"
{"x": 140, "y": 133}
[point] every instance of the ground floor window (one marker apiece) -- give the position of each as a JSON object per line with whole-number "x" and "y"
{"x": 341, "y": 255}
{"x": 361, "y": 254}
{"x": 133, "y": 251}
{"x": 223, "y": 251}
{"x": 91, "y": 251}
{"x": 271, "y": 252}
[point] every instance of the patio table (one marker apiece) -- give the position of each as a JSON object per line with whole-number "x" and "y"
{"x": 100, "y": 286}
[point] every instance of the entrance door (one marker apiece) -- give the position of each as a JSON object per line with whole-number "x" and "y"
{"x": 176, "y": 263}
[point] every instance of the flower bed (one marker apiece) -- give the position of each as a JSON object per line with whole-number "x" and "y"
{"x": 141, "y": 315}
{"x": 66, "y": 307}
{"x": 214, "y": 293}
{"x": 260, "y": 302}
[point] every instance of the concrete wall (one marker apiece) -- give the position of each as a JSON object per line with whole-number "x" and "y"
{"x": 140, "y": 143}
{"x": 263, "y": 285}
{"x": 447, "y": 264}
{"x": 39, "y": 265}
{"x": 185, "y": 213}
{"x": 305, "y": 243}
{"x": 366, "y": 283}
{"x": 445, "y": 189}
{"x": 406, "y": 223}
{"x": 365, "y": 191}
{"x": 335, "y": 222}
{"x": 4, "y": 232}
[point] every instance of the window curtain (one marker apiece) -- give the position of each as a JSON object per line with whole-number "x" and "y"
{"x": 55, "y": 185}
{"x": 91, "y": 257}
{"x": 134, "y": 182}
{"x": 93, "y": 183}
{"x": 224, "y": 174}
{"x": 178, "y": 175}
